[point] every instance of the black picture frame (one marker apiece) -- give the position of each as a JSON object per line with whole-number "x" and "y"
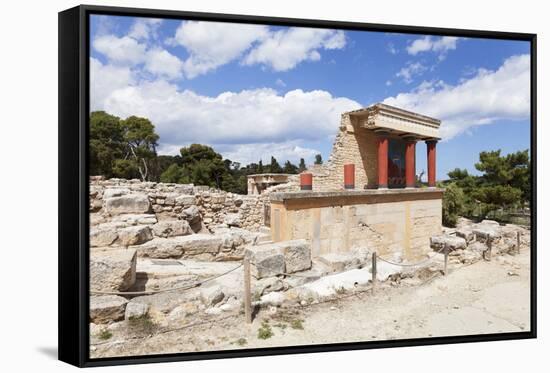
{"x": 73, "y": 250}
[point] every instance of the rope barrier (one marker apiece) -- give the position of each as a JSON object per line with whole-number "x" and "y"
{"x": 150, "y": 292}
{"x": 411, "y": 264}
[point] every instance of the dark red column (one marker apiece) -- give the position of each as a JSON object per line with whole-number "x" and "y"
{"x": 431, "y": 162}
{"x": 382, "y": 161}
{"x": 306, "y": 181}
{"x": 410, "y": 171}
{"x": 349, "y": 176}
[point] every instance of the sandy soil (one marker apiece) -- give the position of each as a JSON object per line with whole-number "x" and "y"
{"x": 486, "y": 297}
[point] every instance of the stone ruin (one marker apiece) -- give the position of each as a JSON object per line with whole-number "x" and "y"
{"x": 147, "y": 237}
{"x": 307, "y": 240}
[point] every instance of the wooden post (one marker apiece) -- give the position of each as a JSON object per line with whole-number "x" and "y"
{"x": 374, "y": 280}
{"x": 446, "y": 253}
{"x": 518, "y": 241}
{"x": 489, "y": 248}
{"x": 247, "y": 298}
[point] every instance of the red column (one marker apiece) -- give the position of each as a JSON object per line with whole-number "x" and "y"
{"x": 431, "y": 162}
{"x": 349, "y": 176}
{"x": 410, "y": 171}
{"x": 306, "y": 181}
{"x": 382, "y": 161}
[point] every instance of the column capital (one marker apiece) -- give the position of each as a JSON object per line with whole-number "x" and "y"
{"x": 431, "y": 141}
{"x": 410, "y": 138}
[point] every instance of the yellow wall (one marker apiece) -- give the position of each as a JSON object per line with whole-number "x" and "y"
{"x": 390, "y": 223}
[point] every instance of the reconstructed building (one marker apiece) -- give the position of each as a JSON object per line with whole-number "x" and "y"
{"x": 258, "y": 183}
{"x": 367, "y": 195}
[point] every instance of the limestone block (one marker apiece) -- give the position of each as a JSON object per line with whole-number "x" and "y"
{"x": 171, "y": 228}
{"x": 104, "y": 236}
{"x": 135, "y": 310}
{"x": 113, "y": 270}
{"x": 107, "y": 308}
{"x": 211, "y": 295}
{"x": 185, "y": 200}
{"x": 115, "y": 192}
{"x": 486, "y": 231}
{"x": 134, "y": 235}
{"x": 452, "y": 242}
{"x": 176, "y": 247}
{"x": 192, "y": 214}
{"x": 465, "y": 233}
{"x": 233, "y": 220}
{"x": 280, "y": 257}
{"x": 137, "y": 203}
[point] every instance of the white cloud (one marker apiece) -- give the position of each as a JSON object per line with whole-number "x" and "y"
{"x": 280, "y": 83}
{"x": 213, "y": 44}
{"x": 144, "y": 28}
{"x": 410, "y": 71}
{"x": 428, "y": 43}
{"x": 105, "y": 79}
{"x": 390, "y": 47}
{"x": 248, "y": 153}
{"x": 503, "y": 94}
{"x": 285, "y": 49}
{"x": 162, "y": 63}
{"x": 245, "y": 117}
{"x": 124, "y": 50}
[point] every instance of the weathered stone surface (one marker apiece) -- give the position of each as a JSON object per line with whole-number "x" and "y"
{"x": 107, "y": 308}
{"x": 452, "y": 242}
{"x": 192, "y": 214}
{"x": 211, "y": 295}
{"x": 166, "y": 302}
{"x": 176, "y": 247}
{"x": 339, "y": 262}
{"x": 161, "y": 248}
{"x": 115, "y": 192}
{"x": 128, "y": 204}
{"x": 267, "y": 260}
{"x": 465, "y": 233}
{"x": 297, "y": 255}
{"x": 134, "y": 235}
{"x": 136, "y": 219}
{"x": 181, "y": 312}
{"x": 490, "y": 222}
{"x": 486, "y": 231}
{"x": 102, "y": 236}
{"x": 185, "y": 200}
{"x": 280, "y": 257}
{"x": 233, "y": 220}
{"x": 171, "y": 228}
{"x": 200, "y": 243}
{"x": 477, "y": 246}
{"x": 135, "y": 310}
{"x": 113, "y": 270}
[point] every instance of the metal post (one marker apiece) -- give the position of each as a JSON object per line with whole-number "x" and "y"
{"x": 446, "y": 253}
{"x": 247, "y": 299}
{"x": 374, "y": 280}
{"x": 518, "y": 236}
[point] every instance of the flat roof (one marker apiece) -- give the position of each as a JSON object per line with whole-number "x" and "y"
{"x": 270, "y": 174}
{"x": 285, "y": 196}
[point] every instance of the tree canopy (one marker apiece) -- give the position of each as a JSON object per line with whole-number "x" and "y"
{"x": 126, "y": 148}
{"x": 505, "y": 182}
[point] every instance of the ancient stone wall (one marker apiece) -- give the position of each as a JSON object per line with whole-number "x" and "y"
{"x": 168, "y": 202}
{"x": 352, "y": 145}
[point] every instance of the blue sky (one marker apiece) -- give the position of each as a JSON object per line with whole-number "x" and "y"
{"x": 251, "y": 91}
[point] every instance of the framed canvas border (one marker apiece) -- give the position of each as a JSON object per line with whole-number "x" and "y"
{"x": 73, "y": 216}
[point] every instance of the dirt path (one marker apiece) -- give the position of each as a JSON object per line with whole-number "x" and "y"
{"x": 486, "y": 297}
